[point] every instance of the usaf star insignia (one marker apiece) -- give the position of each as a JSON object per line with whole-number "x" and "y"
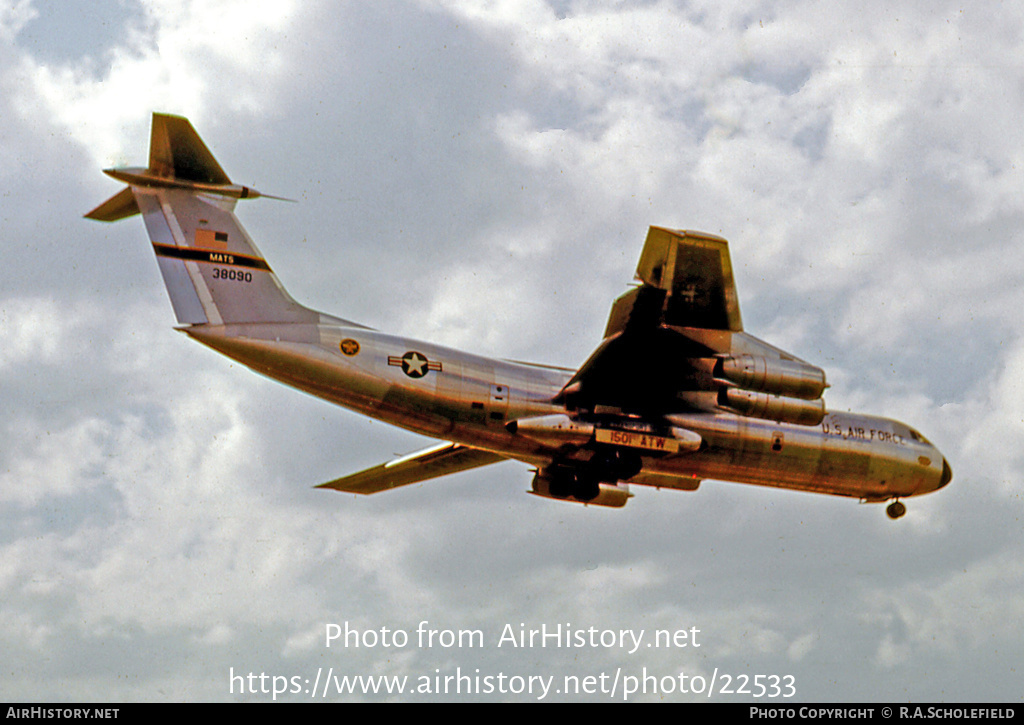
{"x": 414, "y": 364}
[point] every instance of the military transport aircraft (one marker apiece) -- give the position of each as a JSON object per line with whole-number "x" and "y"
{"x": 676, "y": 392}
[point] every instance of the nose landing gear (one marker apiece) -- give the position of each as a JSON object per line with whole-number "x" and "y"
{"x": 895, "y": 510}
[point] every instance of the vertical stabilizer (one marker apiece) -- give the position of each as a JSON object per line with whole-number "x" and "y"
{"x": 213, "y": 271}
{"x": 176, "y": 151}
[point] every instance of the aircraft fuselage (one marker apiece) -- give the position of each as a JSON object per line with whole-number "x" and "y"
{"x": 444, "y": 393}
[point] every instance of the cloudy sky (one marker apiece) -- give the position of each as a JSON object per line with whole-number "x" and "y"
{"x": 482, "y": 174}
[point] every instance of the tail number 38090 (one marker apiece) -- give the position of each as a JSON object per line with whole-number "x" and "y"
{"x": 235, "y": 275}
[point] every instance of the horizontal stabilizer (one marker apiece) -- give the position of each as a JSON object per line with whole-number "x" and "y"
{"x": 439, "y": 460}
{"x": 120, "y": 206}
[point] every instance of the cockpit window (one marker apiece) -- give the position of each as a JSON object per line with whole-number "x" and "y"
{"x": 918, "y": 437}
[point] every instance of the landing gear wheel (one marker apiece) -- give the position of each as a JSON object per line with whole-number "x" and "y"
{"x": 587, "y": 488}
{"x": 895, "y": 510}
{"x": 561, "y": 486}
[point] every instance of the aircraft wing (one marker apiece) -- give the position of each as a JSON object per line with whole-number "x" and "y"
{"x": 686, "y": 282}
{"x": 439, "y": 460}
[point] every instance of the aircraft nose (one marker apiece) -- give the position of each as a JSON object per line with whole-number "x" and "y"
{"x": 947, "y": 473}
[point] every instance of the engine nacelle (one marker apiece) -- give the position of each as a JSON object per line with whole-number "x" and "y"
{"x": 607, "y": 494}
{"x": 773, "y": 407}
{"x": 788, "y": 378}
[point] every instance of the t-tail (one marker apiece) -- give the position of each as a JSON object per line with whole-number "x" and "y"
{"x": 214, "y": 273}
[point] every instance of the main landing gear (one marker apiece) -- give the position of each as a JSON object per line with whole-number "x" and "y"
{"x": 895, "y": 510}
{"x": 578, "y": 484}
{"x": 582, "y": 480}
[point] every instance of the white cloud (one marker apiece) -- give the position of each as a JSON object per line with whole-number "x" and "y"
{"x": 32, "y": 329}
{"x": 995, "y": 435}
{"x": 199, "y": 59}
{"x": 14, "y": 16}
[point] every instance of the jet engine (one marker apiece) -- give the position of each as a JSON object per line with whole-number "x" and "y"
{"x": 788, "y": 391}
{"x": 788, "y": 378}
{"x": 772, "y": 407}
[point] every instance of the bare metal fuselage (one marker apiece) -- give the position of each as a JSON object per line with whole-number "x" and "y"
{"x": 471, "y": 399}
